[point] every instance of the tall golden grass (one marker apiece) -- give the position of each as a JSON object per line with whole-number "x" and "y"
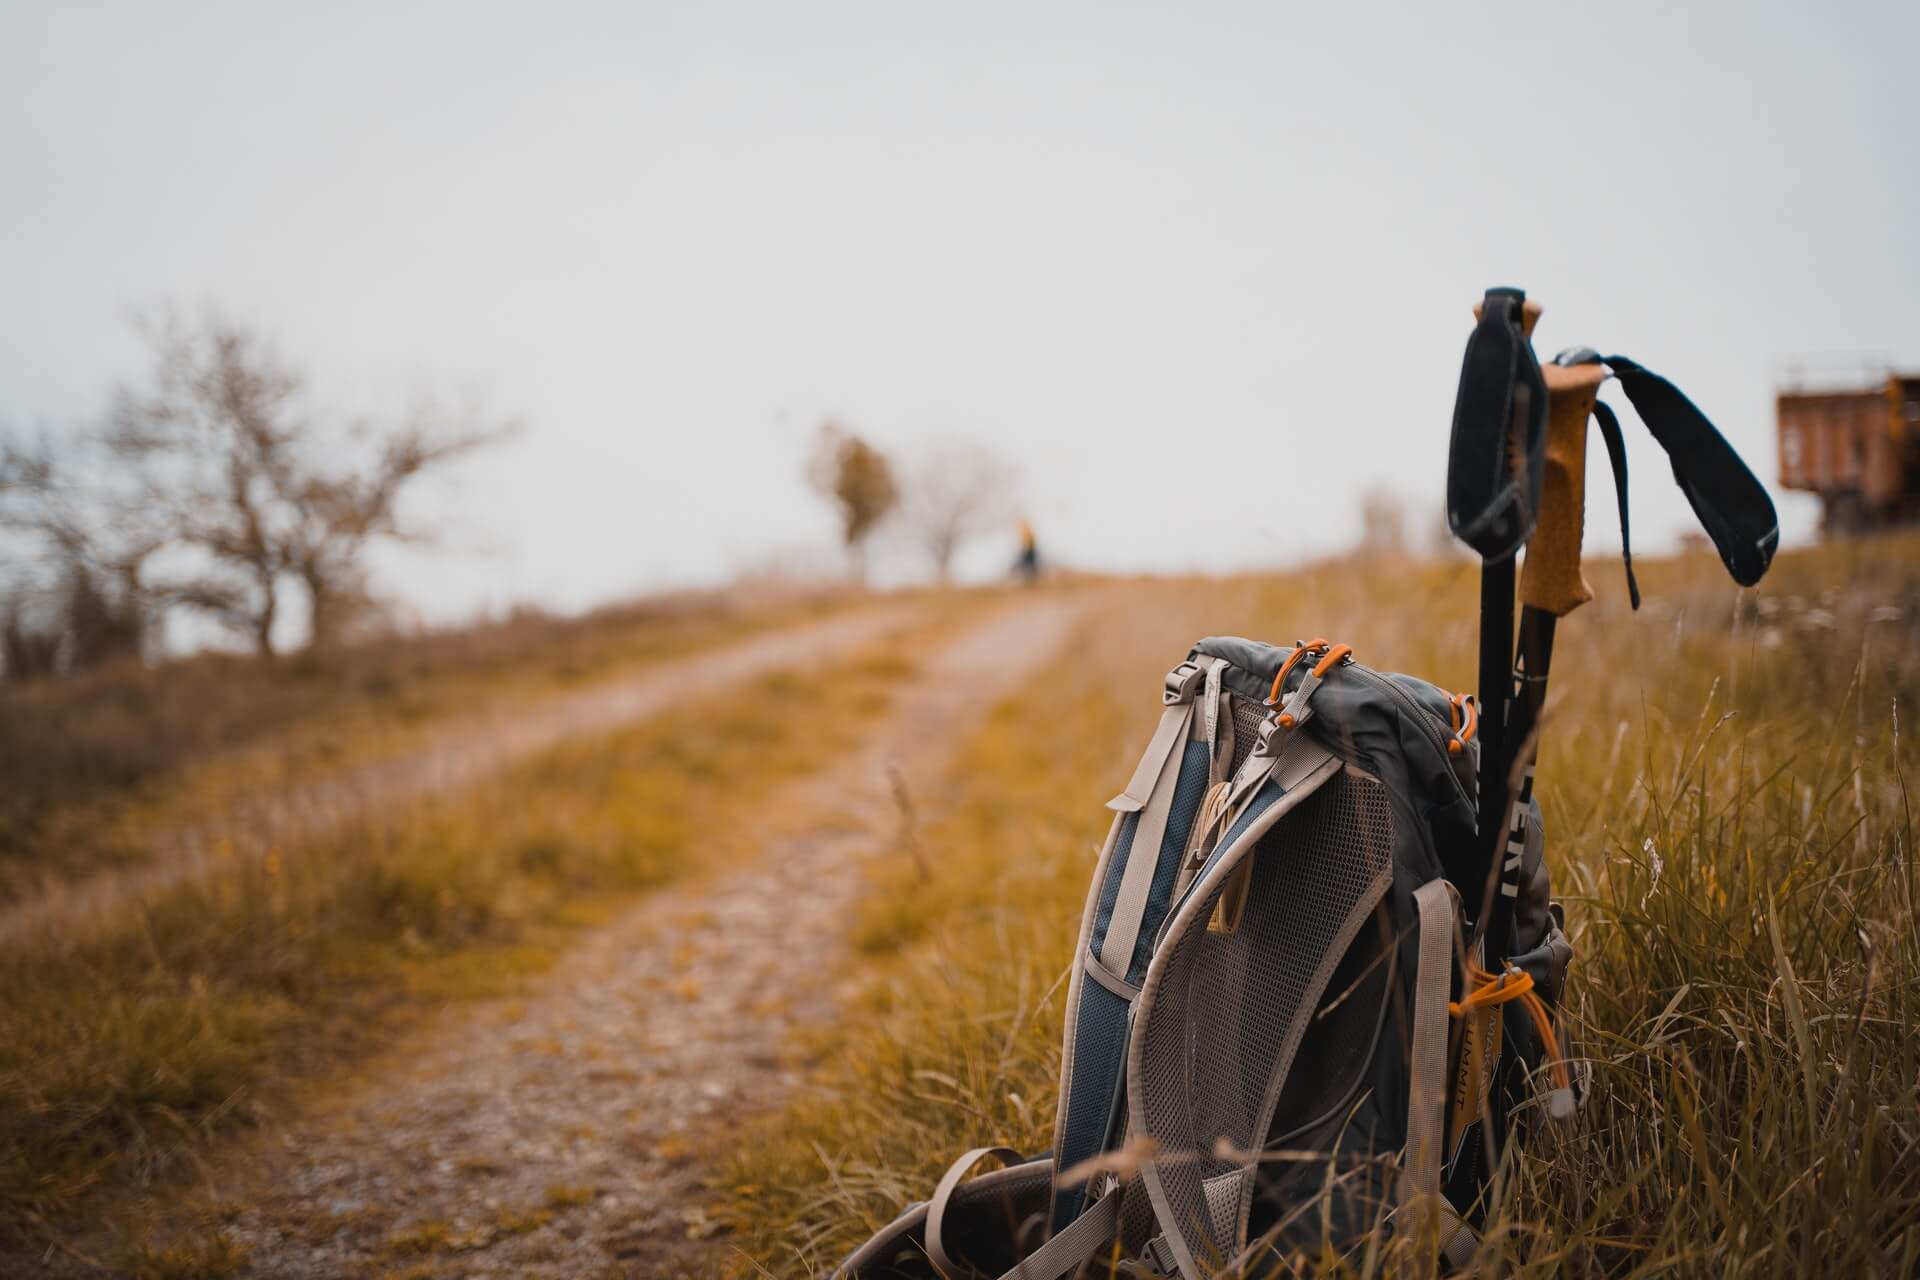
{"x": 1725, "y": 779}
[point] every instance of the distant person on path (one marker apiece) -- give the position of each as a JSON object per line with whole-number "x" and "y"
{"x": 1026, "y": 566}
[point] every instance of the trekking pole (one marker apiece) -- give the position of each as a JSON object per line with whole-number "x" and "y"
{"x": 1551, "y": 586}
{"x": 1494, "y": 475}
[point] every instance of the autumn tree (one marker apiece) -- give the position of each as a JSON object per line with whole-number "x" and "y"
{"x": 858, "y": 479}
{"x": 955, "y": 492}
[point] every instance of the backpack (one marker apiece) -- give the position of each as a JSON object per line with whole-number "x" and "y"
{"x": 1274, "y": 1035}
{"x": 1277, "y": 1034}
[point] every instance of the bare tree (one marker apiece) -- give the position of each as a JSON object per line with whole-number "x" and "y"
{"x": 256, "y": 496}
{"x": 956, "y": 491}
{"x": 80, "y": 539}
{"x": 211, "y": 489}
{"x": 858, "y": 479}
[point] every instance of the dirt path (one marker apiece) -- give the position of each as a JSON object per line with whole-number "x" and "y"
{"x": 461, "y": 752}
{"x": 565, "y": 1133}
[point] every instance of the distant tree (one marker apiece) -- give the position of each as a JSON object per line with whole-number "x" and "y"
{"x": 955, "y": 492}
{"x": 210, "y": 488}
{"x": 28, "y": 648}
{"x": 256, "y": 494}
{"x": 1383, "y": 525}
{"x": 858, "y": 479}
{"x": 79, "y": 539}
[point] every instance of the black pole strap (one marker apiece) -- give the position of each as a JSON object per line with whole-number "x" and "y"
{"x": 1732, "y": 505}
{"x": 1617, "y": 455}
{"x": 1497, "y": 457}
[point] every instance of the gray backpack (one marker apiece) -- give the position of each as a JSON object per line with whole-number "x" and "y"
{"x": 1276, "y": 1037}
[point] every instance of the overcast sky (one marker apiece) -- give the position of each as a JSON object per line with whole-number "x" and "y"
{"x": 1202, "y": 271}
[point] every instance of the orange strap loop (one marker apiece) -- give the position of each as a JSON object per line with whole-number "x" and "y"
{"x": 1504, "y": 988}
{"x": 1466, "y": 721}
{"x": 1331, "y": 656}
{"x": 1332, "y": 660}
{"x": 1300, "y": 651}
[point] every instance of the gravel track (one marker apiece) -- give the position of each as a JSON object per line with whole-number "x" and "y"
{"x": 567, "y": 1131}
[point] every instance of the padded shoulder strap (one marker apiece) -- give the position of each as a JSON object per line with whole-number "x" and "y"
{"x": 1731, "y": 503}
{"x": 1130, "y": 894}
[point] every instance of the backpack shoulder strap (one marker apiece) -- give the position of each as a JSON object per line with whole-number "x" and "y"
{"x": 1132, "y": 888}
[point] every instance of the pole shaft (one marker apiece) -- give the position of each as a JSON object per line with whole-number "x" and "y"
{"x": 1496, "y": 646}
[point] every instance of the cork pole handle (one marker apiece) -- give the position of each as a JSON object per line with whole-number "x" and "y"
{"x": 1550, "y": 577}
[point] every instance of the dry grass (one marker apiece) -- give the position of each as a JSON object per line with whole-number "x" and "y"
{"x": 1728, "y": 817}
{"x": 80, "y": 753}
{"x": 122, "y": 1056}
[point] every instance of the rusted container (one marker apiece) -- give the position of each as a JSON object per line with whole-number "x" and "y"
{"x": 1858, "y": 449}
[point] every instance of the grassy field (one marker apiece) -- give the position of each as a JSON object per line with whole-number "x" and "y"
{"x": 1726, "y": 787}
{"x": 95, "y": 761}
{"x": 123, "y": 1057}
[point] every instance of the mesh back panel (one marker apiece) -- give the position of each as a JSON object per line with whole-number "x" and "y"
{"x": 1231, "y": 1007}
{"x": 1247, "y": 716}
{"x": 1137, "y": 1223}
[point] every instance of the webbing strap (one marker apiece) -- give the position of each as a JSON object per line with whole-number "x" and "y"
{"x": 1495, "y": 458}
{"x": 1073, "y": 1245}
{"x": 1617, "y": 458}
{"x": 1419, "y": 1187}
{"x": 1143, "y": 855}
{"x": 943, "y": 1193}
{"x": 1212, "y": 721}
{"x": 1731, "y": 503}
{"x": 1170, "y": 732}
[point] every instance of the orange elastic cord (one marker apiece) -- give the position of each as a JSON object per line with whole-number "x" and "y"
{"x": 1466, "y": 721}
{"x": 1334, "y": 655}
{"x": 1497, "y": 989}
{"x": 1300, "y": 651}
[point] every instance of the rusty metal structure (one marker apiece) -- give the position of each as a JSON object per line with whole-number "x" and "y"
{"x": 1858, "y": 448}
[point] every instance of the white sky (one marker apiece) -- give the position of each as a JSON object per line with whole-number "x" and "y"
{"x": 1205, "y": 275}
